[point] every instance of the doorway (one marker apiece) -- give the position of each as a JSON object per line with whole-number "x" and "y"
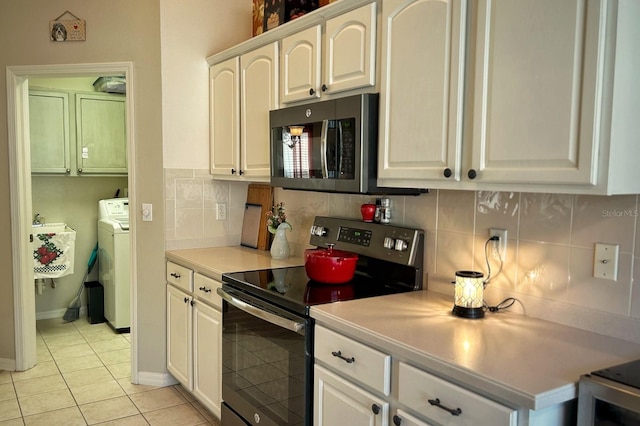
{"x": 21, "y": 193}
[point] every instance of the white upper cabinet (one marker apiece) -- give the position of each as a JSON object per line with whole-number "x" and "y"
{"x": 101, "y": 134}
{"x": 313, "y": 65}
{"x": 421, "y": 89}
{"x": 224, "y": 116}
{"x": 536, "y": 97}
{"x": 301, "y": 65}
{"x": 77, "y": 133}
{"x": 243, "y": 90}
{"x": 535, "y": 91}
{"x": 49, "y": 127}
{"x": 259, "y": 95}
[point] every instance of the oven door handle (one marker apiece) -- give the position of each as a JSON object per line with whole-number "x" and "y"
{"x": 289, "y": 324}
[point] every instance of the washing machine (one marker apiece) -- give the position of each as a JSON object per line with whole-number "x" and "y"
{"x": 114, "y": 261}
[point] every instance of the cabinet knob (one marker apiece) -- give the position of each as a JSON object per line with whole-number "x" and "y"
{"x": 324, "y": 88}
{"x": 472, "y": 174}
{"x": 175, "y": 275}
{"x": 375, "y": 408}
{"x": 447, "y": 172}
{"x": 193, "y": 302}
{"x": 312, "y": 92}
{"x": 68, "y": 171}
{"x": 240, "y": 172}
{"x": 233, "y": 171}
{"x": 206, "y": 290}
{"x": 80, "y": 170}
{"x": 397, "y": 420}
{"x": 186, "y": 299}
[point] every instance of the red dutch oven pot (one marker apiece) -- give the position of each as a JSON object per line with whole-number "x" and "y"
{"x": 330, "y": 266}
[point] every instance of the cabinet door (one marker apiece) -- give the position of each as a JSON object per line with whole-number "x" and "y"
{"x": 179, "y": 336}
{"x": 259, "y": 94}
{"x": 339, "y": 402}
{"x": 49, "y": 132}
{"x": 101, "y": 137}
{"x": 207, "y": 362}
{"x": 536, "y": 91}
{"x": 421, "y": 89}
{"x": 350, "y": 50}
{"x": 224, "y": 110}
{"x": 300, "y": 65}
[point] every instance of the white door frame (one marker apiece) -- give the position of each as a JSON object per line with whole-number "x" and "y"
{"x": 20, "y": 189}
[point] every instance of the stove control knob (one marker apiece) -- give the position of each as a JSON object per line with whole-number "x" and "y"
{"x": 320, "y": 231}
{"x": 389, "y": 243}
{"x": 401, "y": 245}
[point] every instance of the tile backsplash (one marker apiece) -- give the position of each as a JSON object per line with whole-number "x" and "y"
{"x": 550, "y": 241}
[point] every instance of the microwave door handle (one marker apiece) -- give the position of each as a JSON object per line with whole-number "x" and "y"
{"x": 339, "y": 148}
{"x": 323, "y": 148}
{"x": 289, "y": 324}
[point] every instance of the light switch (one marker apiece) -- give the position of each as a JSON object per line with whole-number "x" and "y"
{"x": 147, "y": 212}
{"x": 605, "y": 261}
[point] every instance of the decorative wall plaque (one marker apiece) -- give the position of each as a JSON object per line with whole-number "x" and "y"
{"x": 67, "y": 29}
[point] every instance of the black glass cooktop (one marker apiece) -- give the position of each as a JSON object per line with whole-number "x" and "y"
{"x": 627, "y": 374}
{"x": 290, "y": 288}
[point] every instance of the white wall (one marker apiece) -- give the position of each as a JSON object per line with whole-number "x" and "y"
{"x": 191, "y": 31}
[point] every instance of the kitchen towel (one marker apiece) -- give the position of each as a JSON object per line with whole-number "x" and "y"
{"x": 53, "y": 254}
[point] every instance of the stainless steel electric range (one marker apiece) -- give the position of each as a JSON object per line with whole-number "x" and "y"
{"x": 610, "y": 396}
{"x": 267, "y": 340}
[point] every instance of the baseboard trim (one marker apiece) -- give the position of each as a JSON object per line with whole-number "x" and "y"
{"x": 58, "y": 313}
{"x": 156, "y": 379}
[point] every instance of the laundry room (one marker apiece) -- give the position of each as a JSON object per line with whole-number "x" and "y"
{"x": 78, "y": 157}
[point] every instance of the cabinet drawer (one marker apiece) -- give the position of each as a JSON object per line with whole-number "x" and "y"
{"x": 180, "y": 276}
{"x": 366, "y": 365}
{"x": 205, "y": 288}
{"x": 416, "y": 388}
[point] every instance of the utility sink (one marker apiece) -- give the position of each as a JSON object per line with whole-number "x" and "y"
{"x": 51, "y": 228}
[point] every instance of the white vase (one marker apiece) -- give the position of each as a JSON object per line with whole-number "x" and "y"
{"x": 280, "y": 245}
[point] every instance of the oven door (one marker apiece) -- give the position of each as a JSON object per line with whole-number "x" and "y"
{"x": 604, "y": 402}
{"x": 267, "y": 361}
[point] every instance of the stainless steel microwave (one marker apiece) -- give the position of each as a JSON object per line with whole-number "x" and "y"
{"x": 328, "y": 146}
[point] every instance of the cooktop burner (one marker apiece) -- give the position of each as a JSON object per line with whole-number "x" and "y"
{"x": 627, "y": 374}
{"x": 291, "y": 288}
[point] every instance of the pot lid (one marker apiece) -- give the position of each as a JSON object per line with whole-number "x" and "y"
{"x": 330, "y": 253}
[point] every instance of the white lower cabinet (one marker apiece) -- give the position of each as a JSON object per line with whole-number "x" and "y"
{"x": 354, "y": 385}
{"x": 194, "y": 334}
{"x": 402, "y": 418}
{"x": 340, "y": 402}
{"x": 445, "y": 403}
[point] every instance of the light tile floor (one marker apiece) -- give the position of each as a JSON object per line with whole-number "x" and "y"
{"x": 83, "y": 378}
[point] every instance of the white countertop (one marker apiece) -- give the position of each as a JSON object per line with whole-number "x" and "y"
{"x": 214, "y": 261}
{"x": 522, "y": 360}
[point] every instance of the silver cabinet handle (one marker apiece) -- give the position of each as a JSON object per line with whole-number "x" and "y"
{"x": 287, "y": 323}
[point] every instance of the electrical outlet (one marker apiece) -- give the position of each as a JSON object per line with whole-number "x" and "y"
{"x": 221, "y": 211}
{"x": 498, "y": 249}
{"x": 605, "y": 261}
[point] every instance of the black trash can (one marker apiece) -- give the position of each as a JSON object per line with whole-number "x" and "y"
{"x": 95, "y": 302}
